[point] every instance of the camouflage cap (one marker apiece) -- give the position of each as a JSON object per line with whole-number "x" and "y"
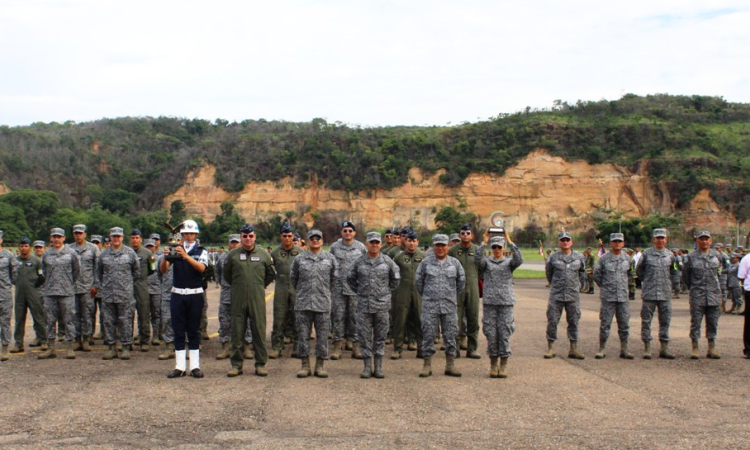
{"x": 660, "y": 232}
{"x": 96, "y": 238}
{"x": 374, "y": 236}
{"x": 116, "y": 231}
{"x": 439, "y": 239}
{"x": 314, "y": 232}
{"x": 234, "y": 238}
{"x": 155, "y": 236}
{"x": 497, "y": 241}
{"x": 57, "y": 232}
{"x": 39, "y": 244}
{"x": 563, "y": 235}
{"x": 454, "y": 237}
{"x": 149, "y": 243}
{"x": 616, "y": 237}
{"x": 703, "y": 233}
{"x": 80, "y": 228}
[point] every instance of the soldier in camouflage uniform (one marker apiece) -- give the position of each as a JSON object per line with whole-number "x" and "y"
{"x": 344, "y": 301}
{"x": 589, "y": 262}
{"x": 313, "y": 275}
{"x": 165, "y": 279}
{"x": 84, "y": 302}
{"x": 613, "y": 274}
{"x": 468, "y": 299}
{"x": 140, "y": 289}
{"x": 565, "y": 274}
{"x": 154, "y": 288}
{"x": 498, "y": 323}
{"x": 225, "y": 301}
{"x": 733, "y": 283}
{"x": 99, "y": 242}
{"x": 631, "y": 274}
{"x": 725, "y": 263}
{"x": 28, "y": 278}
{"x": 283, "y": 296}
{"x": 117, "y": 270}
{"x": 439, "y": 279}
{"x": 61, "y": 267}
{"x": 676, "y": 273}
{"x": 654, "y": 269}
{"x": 701, "y": 275}
{"x": 8, "y": 272}
{"x": 373, "y": 277}
{"x": 407, "y": 303}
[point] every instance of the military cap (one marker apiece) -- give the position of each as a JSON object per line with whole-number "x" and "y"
{"x": 80, "y": 228}
{"x": 39, "y": 244}
{"x": 497, "y": 241}
{"x": 454, "y": 237}
{"x": 314, "y": 232}
{"x": 247, "y": 228}
{"x": 149, "y": 242}
{"x": 405, "y": 230}
{"x": 155, "y": 236}
{"x": 347, "y": 224}
{"x": 718, "y": 245}
{"x": 286, "y": 228}
{"x": 25, "y": 240}
{"x": 96, "y": 238}
{"x": 660, "y": 232}
{"x": 739, "y": 247}
{"x": 136, "y": 232}
{"x": 374, "y": 236}
{"x": 563, "y": 235}
{"x": 439, "y": 239}
{"x": 388, "y": 231}
{"x": 297, "y": 237}
{"x": 616, "y": 237}
{"x": 676, "y": 250}
{"x": 735, "y": 255}
{"x": 234, "y": 238}
{"x": 412, "y": 235}
{"x": 466, "y": 227}
{"x": 116, "y": 231}
{"x": 703, "y": 233}
{"x": 57, "y": 232}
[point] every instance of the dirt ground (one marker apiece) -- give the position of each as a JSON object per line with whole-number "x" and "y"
{"x": 559, "y": 403}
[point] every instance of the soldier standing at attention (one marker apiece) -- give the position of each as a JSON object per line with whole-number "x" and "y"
{"x": 28, "y": 278}
{"x": 116, "y": 270}
{"x": 613, "y": 273}
{"x": 701, "y": 276}
{"x": 87, "y": 253}
{"x": 654, "y": 269}
{"x": 186, "y": 302}
{"x": 283, "y": 297}
{"x": 498, "y": 300}
{"x": 589, "y": 261}
{"x": 344, "y": 300}
{"x": 733, "y": 283}
{"x": 165, "y": 280}
{"x": 468, "y": 299}
{"x": 407, "y": 303}
{"x": 142, "y": 299}
{"x": 313, "y": 275}
{"x": 725, "y": 263}
{"x": 439, "y": 279}
{"x": 373, "y": 277}
{"x": 225, "y": 304}
{"x": 248, "y": 270}
{"x": 154, "y": 291}
{"x": 565, "y": 274}
{"x": 98, "y": 241}
{"x": 676, "y": 274}
{"x": 8, "y": 269}
{"x": 61, "y": 267}
{"x": 388, "y": 237}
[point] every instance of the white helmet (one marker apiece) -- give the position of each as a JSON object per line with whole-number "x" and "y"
{"x": 189, "y": 226}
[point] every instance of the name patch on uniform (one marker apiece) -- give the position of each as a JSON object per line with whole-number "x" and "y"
{"x": 255, "y": 258}
{"x": 417, "y": 259}
{"x": 29, "y": 264}
{"x": 243, "y": 257}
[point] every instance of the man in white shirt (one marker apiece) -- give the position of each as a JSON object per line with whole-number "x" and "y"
{"x": 744, "y": 275}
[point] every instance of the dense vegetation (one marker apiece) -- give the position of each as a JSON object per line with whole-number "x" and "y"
{"x": 126, "y": 166}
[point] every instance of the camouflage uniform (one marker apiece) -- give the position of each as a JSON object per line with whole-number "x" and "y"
{"x": 225, "y": 303}
{"x": 565, "y": 274}
{"x": 62, "y": 268}
{"x": 631, "y": 280}
{"x": 313, "y": 276}
{"x": 344, "y": 300}
{"x": 166, "y": 297}
{"x": 406, "y": 301}
{"x": 117, "y": 271}
{"x": 654, "y": 269}
{"x": 468, "y": 298}
{"x": 676, "y": 275}
{"x": 141, "y": 297}
{"x": 590, "y": 262}
{"x": 613, "y": 274}
{"x": 283, "y": 297}
{"x": 701, "y": 276}
{"x": 84, "y": 304}
{"x": 8, "y": 263}
{"x": 734, "y": 285}
{"x": 373, "y": 279}
{"x": 439, "y": 282}
{"x": 28, "y": 279}
{"x": 154, "y": 295}
{"x": 498, "y": 323}
{"x": 725, "y": 263}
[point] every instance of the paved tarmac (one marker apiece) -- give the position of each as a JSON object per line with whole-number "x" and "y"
{"x": 559, "y": 403}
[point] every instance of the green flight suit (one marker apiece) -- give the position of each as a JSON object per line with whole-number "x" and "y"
{"x": 468, "y": 299}
{"x": 283, "y": 296}
{"x": 249, "y": 273}
{"x": 407, "y": 303}
{"x": 142, "y": 299}
{"x": 29, "y": 278}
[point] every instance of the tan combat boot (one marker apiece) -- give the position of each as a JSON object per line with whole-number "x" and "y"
{"x": 125, "y": 353}
{"x": 17, "y": 348}
{"x": 712, "y": 353}
{"x": 304, "y": 372}
{"x": 695, "y": 354}
{"x": 664, "y": 351}
{"x": 76, "y": 345}
{"x": 396, "y": 354}
{"x": 493, "y": 367}
{"x": 602, "y": 347}
{"x": 111, "y": 353}
{"x": 168, "y": 353}
{"x": 85, "y": 344}
{"x": 247, "y": 351}
{"x": 426, "y": 367}
{"x": 349, "y": 345}
{"x": 70, "y": 352}
{"x": 574, "y": 353}
{"x": 224, "y": 351}
{"x": 320, "y": 372}
{"x": 50, "y": 353}
{"x": 273, "y": 354}
{"x": 647, "y": 350}
{"x": 4, "y": 355}
{"x": 336, "y": 353}
{"x": 624, "y": 353}
{"x": 450, "y": 366}
{"x": 463, "y": 343}
{"x": 260, "y": 370}
{"x": 550, "y": 350}
{"x": 503, "y": 372}
{"x": 356, "y": 353}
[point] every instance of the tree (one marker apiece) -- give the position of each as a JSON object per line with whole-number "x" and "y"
{"x": 118, "y": 201}
{"x": 177, "y": 212}
{"x": 449, "y": 220}
{"x": 37, "y": 206}
{"x": 13, "y": 223}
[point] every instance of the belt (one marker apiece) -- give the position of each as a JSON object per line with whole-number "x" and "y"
{"x": 187, "y": 291}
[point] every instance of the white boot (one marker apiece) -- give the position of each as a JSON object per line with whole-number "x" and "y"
{"x": 195, "y": 361}
{"x": 180, "y": 359}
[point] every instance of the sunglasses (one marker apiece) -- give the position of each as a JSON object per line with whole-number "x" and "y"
{"x": 347, "y": 231}
{"x": 466, "y": 233}
{"x": 248, "y": 235}
{"x": 287, "y": 236}
{"x": 565, "y": 240}
{"x": 315, "y": 238}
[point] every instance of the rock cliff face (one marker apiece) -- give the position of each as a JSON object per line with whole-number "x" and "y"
{"x": 542, "y": 188}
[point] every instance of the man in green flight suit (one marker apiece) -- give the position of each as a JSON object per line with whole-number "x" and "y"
{"x": 407, "y": 303}
{"x": 284, "y": 295}
{"x": 468, "y": 299}
{"x": 29, "y": 278}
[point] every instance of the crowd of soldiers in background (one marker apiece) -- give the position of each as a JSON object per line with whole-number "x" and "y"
{"x": 361, "y": 296}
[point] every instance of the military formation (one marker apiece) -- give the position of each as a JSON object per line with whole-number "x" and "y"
{"x": 361, "y": 296}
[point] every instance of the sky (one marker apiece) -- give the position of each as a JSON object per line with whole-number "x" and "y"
{"x": 365, "y": 63}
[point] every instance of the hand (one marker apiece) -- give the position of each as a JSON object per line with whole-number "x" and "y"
{"x": 93, "y": 292}
{"x": 507, "y": 237}
{"x": 181, "y": 251}
{"x": 486, "y": 237}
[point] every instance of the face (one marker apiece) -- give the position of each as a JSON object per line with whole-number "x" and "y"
{"x": 388, "y": 239}
{"x": 135, "y": 242}
{"x": 411, "y": 245}
{"x": 497, "y": 251}
{"x": 24, "y": 249}
{"x": 660, "y": 242}
{"x": 373, "y": 248}
{"x": 616, "y": 246}
{"x": 565, "y": 244}
{"x": 232, "y": 246}
{"x": 57, "y": 241}
{"x": 39, "y": 251}
{"x": 189, "y": 237}
{"x": 396, "y": 240}
{"x": 348, "y": 233}
{"x": 452, "y": 243}
{"x": 465, "y": 236}
{"x": 704, "y": 243}
{"x": 157, "y": 243}
{"x": 287, "y": 240}
{"x": 248, "y": 240}
{"x": 115, "y": 241}
{"x": 315, "y": 243}
{"x": 79, "y": 236}
{"x": 441, "y": 251}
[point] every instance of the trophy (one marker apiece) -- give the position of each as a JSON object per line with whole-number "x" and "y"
{"x": 175, "y": 239}
{"x": 497, "y": 224}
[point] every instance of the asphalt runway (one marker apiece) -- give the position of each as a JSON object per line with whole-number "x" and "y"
{"x": 558, "y": 403}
